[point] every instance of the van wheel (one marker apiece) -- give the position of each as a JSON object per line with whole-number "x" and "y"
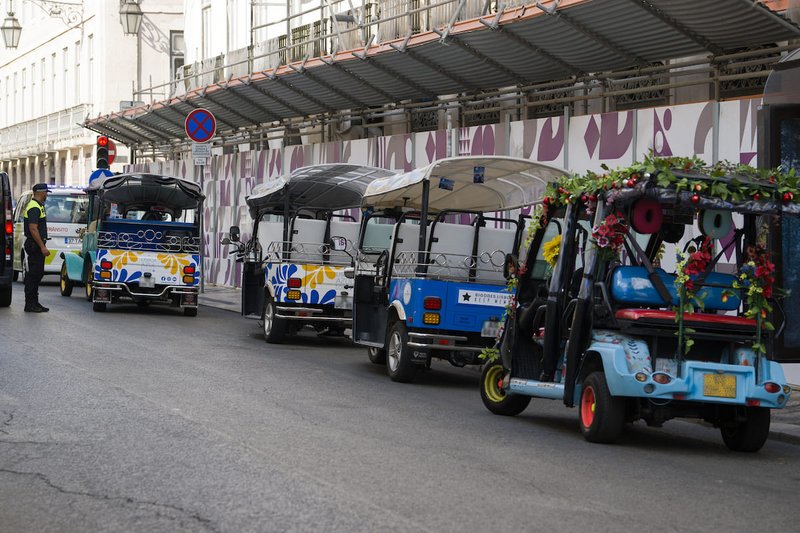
{"x": 601, "y": 415}
{"x": 189, "y": 311}
{"x": 495, "y": 398}
{"x": 5, "y": 296}
{"x": 750, "y": 435}
{"x": 65, "y": 284}
{"x": 398, "y": 355}
{"x": 99, "y": 307}
{"x": 376, "y": 355}
{"x": 274, "y": 327}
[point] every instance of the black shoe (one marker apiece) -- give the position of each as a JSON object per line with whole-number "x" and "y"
{"x": 42, "y": 309}
{"x": 33, "y": 309}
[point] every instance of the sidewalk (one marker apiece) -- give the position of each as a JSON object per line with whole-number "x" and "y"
{"x": 785, "y": 422}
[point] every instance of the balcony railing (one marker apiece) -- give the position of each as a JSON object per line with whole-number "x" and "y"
{"x": 45, "y": 133}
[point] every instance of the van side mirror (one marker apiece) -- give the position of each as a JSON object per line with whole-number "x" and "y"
{"x": 339, "y": 244}
{"x": 234, "y": 234}
{"x": 511, "y": 266}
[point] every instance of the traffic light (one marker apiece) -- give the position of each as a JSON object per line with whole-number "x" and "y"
{"x": 102, "y": 151}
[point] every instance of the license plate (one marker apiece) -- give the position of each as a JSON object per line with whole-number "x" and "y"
{"x": 147, "y": 283}
{"x": 490, "y": 328}
{"x": 72, "y": 240}
{"x": 719, "y": 385}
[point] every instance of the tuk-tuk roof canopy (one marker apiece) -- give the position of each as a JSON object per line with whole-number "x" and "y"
{"x": 331, "y": 187}
{"x": 467, "y": 183}
{"x": 673, "y": 180}
{"x": 147, "y": 189}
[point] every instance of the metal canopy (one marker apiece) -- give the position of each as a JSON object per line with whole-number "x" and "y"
{"x": 521, "y": 46}
{"x": 483, "y": 183}
{"x": 333, "y": 187}
{"x": 146, "y": 189}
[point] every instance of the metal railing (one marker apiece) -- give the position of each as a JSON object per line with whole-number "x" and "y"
{"x": 310, "y": 253}
{"x": 485, "y": 268}
{"x": 43, "y": 134}
{"x": 149, "y": 240}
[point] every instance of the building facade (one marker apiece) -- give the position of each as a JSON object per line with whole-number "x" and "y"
{"x": 73, "y": 61}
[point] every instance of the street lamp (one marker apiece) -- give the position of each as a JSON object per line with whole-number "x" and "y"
{"x": 69, "y": 12}
{"x": 11, "y": 28}
{"x": 130, "y": 16}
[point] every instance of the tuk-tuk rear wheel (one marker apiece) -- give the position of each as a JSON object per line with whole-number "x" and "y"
{"x": 64, "y": 283}
{"x": 495, "y": 398}
{"x": 398, "y": 355}
{"x": 601, "y": 416}
{"x": 274, "y": 328}
{"x": 750, "y": 435}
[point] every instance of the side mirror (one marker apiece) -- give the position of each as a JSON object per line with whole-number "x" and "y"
{"x": 511, "y": 266}
{"x": 339, "y": 244}
{"x": 349, "y": 272}
{"x": 224, "y": 241}
{"x": 234, "y": 234}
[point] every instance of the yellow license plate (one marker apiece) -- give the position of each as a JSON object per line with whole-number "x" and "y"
{"x": 719, "y": 385}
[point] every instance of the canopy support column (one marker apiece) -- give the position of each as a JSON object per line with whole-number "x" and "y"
{"x": 423, "y": 226}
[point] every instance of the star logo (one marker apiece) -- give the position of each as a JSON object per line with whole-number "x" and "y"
{"x": 467, "y": 296}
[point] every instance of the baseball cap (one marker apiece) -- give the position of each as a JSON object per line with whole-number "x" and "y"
{"x": 41, "y": 187}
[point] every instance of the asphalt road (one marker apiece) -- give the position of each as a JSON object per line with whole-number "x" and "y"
{"x": 145, "y": 420}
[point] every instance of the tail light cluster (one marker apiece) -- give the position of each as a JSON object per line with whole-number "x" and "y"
{"x": 431, "y": 303}
{"x": 105, "y": 269}
{"x": 188, "y": 274}
{"x": 294, "y": 284}
{"x": 9, "y": 228}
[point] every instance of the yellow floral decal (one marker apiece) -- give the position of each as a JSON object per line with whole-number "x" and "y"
{"x": 120, "y": 258}
{"x": 551, "y": 250}
{"x": 174, "y": 263}
{"x": 316, "y": 275}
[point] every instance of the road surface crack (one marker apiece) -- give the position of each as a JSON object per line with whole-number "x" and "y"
{"x": 6, "y": 422}
{"x": 204, "y": 522}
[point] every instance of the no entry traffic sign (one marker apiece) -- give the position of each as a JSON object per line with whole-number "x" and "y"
{"x": 200, "y": 125}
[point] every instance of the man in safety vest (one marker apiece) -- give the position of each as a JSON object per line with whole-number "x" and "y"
{"x": 35, "y": 228}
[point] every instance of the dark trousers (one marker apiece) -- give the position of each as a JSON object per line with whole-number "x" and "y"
{"x": 34, "y": 273}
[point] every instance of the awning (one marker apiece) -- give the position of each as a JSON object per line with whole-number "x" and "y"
{"x": 485, "y": 184}
{"x": 332, "y": 187}
{"x": 148, "y": 189}
{"x": 524, "y": 45}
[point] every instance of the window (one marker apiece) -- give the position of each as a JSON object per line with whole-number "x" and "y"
{"x": 8, "y": 104}
{"x": 33, "y": 90}
{"x": 53, "y": 83}
{"x": 70, "y": 209}
{"x": 206, "y": 36}
{"x": 42, "y": 91}
{"x": 2, "y": 122}
{"x": 77, "y": 72}
{"x": 90, "y": 74}
{"x": 16, "y": 100}
{"x": 177, "y": 49}
{"x": 65, "y": 62}
{"x": 24, "y": 101}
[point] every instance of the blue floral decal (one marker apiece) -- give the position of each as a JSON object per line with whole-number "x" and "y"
{"x": 315, "y": 298}
{"x": 280, "y": 279}
{"x": 121, "y": 275}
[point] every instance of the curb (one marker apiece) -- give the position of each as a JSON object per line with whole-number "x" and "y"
{"x": 787, "y": 433}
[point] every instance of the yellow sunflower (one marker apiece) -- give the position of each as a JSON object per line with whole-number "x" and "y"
{"x": 551, "y": 250}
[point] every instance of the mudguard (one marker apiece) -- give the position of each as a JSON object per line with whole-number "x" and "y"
{"x": 74, "y": 263}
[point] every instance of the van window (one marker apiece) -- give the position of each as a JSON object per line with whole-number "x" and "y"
{"x": 67, "y": 209}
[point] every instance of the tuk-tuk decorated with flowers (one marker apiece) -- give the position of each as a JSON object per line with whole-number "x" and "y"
{"x": 649, "y": 292}
{"x": 429, "y": 279}
{"x": 141, "y": 244}
{"x": 303, "y": 240}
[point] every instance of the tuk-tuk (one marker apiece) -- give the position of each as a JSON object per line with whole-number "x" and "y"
{"x": 303, "y": 240}
{"x": 429, "y": 279}
{"x": 142, "y": 243}
{"x": 649, "y": 293}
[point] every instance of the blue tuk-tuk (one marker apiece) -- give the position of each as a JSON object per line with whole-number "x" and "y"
{"x": 429, "y": 280}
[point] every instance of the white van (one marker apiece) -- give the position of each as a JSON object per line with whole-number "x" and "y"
{"x": 66, "y": 209}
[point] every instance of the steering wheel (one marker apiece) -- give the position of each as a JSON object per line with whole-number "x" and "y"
{"x": 381, "y": 264}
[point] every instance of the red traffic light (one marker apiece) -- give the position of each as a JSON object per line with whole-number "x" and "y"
{"x": 102, "y": 141}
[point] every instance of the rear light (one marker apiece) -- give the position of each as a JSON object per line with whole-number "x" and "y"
{"x": 105, "y": 275}
{"x": 432, "y": 303}
{"x": 772, "y": 388}
{"x": 752, "y": 403}
{"x": 640, "y": 376}
{"x": 9, "y": 228}
{"x": 295, "y": 283}
{"x": 188, "y": 270}
{"x": 106, "y": 265}
{"x": 188, "y": 279}
{"x": 431, "y": 319}
{"x": 444, "y": 342}
{"x": 293, "y": 295}
{"x": 679, "y": 396}
{"x": 661, "y": 378}
{"x": 787, "y": 389}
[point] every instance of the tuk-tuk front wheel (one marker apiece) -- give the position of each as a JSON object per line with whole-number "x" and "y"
{"x": 495, "y": 397}
{"x": 376, "y": 355}
{"x": 89, "y": 290}
{"x": 64, "y": 283}
{"x": 601, "y": 415}
{"x": 274, "y": 327}
{"x": 398, "y": 355}
{"x": 749, "y": 435}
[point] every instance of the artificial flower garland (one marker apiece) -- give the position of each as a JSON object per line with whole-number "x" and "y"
{"x": 690, "y": 265}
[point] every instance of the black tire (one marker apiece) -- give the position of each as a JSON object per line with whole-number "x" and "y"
{"x": 398, "y": 355}
{"x": 601, "y": 416}
{"x": 65, "y": 284}
{"x": 5, "y": 296}
{"x": 495, "y": 398}
{"x": 376, "y": 356}
{"x": 16, "y": 275}
{"x": 274, "y": 328}
{"x": 89, "y": 290}
{"x": 189, "y": 311}
{"x": 750, "y": 435}
{"x": 99, "y": 307}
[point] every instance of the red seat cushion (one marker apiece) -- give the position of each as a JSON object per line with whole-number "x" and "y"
{"x": 694, "y": 318}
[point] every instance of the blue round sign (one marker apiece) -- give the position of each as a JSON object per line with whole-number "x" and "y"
{"x": 100, "y": 173}
{"x": 200, "y": 125}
